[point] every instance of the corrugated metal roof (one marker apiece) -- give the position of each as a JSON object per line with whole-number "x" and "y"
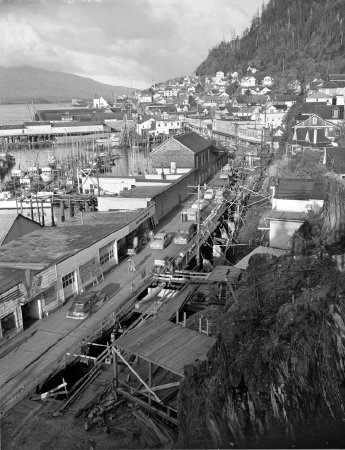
{"x": 167, "y": 345}
{"x": 243, "y": 264}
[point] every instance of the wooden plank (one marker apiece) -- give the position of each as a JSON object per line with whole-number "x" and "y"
{"x": 167, "y": 345}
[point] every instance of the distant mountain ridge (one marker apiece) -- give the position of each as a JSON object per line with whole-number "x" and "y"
{"x": 289, "y": 40}
{"x": 22, "y": 84}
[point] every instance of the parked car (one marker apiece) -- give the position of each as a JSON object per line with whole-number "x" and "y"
{"x": 186, "y": 231}
{"x": 219, "y": 197}
{"x": 209, "y": 194}
{"x": 85, "y": 303}
{"x": 161, "y": 240}
{"x": 202, "y": 204}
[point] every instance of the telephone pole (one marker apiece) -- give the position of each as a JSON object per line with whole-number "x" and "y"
{"x": 197, "y": 225}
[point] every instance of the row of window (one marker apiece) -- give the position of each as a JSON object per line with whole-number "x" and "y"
{"x": 107, "y": 257}
{"x": 166, "y": 124}
{"x": 70, "y": 277}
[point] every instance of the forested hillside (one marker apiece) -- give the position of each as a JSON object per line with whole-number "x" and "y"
{"x": 290, "y": 39}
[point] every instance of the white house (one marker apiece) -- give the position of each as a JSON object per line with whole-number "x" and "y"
{"x": 319, "y": 97}
{"x": 100, "y": 103}
{"x": 267, "y": 81}
{"x": 273, "y": 115}
{"x": 292, "y": 200}
{"x": 248, "y": 82}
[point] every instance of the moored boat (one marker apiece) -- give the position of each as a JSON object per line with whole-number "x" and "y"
{"x": 47, "y": 174}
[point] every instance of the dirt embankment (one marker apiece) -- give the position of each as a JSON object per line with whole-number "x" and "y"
{"x": 276, "y": 376}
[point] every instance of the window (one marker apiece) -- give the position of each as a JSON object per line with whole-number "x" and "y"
{"x": 107, "y": 257}
{"x": 336, "y": 113}
{"x": 68, "y": 279}
{"x": 314, "y": 121}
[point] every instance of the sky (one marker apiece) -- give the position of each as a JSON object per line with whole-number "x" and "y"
{"x": 132, "y": 43}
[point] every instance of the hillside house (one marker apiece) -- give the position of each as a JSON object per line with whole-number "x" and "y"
{"x": 145, "y": 98}
{"x": 189, "y": 150}
{"x": 273, "y": 115}
{"x": 248, "y": 82}
{"x": 144, "y": 124}
{"x": 329, "y": 88}
{"x": 319, "y": 97}
{"x": 314, "y": 132}
{"x": 267, "y": 81}
{"x": 331, "y": 113}
{"x": 292, "y": 200}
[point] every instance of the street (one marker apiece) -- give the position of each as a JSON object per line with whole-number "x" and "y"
{"x": 33, "y": 355}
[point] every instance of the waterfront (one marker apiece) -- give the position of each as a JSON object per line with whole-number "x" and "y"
{"x": 70, "y": 152}
{"x": 17, "y": 114}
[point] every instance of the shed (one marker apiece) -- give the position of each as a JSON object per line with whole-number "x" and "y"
{"x": 167, "y": 345}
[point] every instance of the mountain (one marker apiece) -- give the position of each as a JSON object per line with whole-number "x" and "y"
{"x": 289, "y": 40}
{"x": 21, "y": 84}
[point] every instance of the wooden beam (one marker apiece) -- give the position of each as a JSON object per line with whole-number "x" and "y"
{"x": 150, "y": 382}
{"x": 162, "y": 386}
{"x": 137, "y": 375}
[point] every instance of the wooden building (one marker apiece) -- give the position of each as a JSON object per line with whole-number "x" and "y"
{"x": 189, "y": 150}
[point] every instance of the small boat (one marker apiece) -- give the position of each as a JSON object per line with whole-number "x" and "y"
{"x": 6, "y": 195}
{"x": 17, "y": 173}
{"x": 7, "y": 161}
{"x": 47, "y": 174}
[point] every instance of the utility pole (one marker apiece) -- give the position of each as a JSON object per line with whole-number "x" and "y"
{"x": 198, "y": 230}
{"x": 198, "y": 225}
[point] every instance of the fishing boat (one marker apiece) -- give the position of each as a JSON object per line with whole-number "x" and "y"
{"x": 7, "y": 161}
{"x": 17, "y": 173}
{"x": 47, "y": 174}
{"x": 113, "y": 140}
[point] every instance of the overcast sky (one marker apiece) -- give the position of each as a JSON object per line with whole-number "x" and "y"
{"x": 118, "y": 42}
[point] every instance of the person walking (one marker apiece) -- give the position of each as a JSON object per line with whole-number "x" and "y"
{"x": 131, "y": 265}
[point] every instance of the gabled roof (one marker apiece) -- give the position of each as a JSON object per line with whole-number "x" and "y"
{"x": 322, "y": 111}
{"x": 193, "y": 141}
{"x": 279, "y": 107}
{"x": 6, "y": 222}
{"x": 8, "y": 218}
{"x": 299, "y": 188}
{"x": 145, "y": 119}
